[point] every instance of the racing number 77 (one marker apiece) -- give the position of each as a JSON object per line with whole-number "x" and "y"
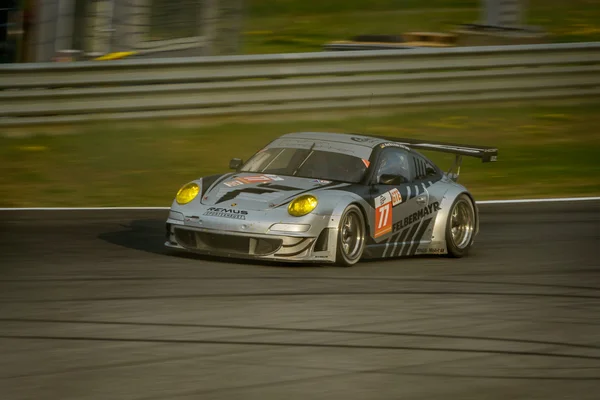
{"x": 383, "y": 222}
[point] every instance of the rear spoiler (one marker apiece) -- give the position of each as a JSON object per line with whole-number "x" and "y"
{"x": 485, "y": 153}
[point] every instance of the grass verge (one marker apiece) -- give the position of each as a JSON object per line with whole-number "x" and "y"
{"x": 276, "y": 26}
{"x": 545, "y": 150}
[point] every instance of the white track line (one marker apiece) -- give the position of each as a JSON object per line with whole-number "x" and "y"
{"x": 538, "y": 200}
{"x": 85, "y": 209}
{"x": 566, "y": 199}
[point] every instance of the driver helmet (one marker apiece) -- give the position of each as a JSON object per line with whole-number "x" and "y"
{"x": 395, "y": 163}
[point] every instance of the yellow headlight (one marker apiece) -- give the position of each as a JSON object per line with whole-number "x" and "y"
{"x": 187, "y": 193}
{"x": 302, "y": 205}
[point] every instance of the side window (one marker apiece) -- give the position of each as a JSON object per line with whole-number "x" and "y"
{"x": 430, "y": 170}
{"x": 393, "y": 167}
{"x": 424, "y": 168}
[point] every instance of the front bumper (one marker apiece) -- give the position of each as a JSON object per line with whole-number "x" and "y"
{"x": 311, "y": 246}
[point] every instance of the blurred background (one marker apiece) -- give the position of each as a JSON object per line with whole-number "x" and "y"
{"x": 116, "y": 91}
{"x": 120, "y": 102}
{"x": 42, "y": 30}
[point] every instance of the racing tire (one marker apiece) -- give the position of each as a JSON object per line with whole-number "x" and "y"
{"x": 460, "y": 226}
{"x": 351, "y": 236}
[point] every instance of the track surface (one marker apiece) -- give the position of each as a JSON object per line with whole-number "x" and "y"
{"x": 92, "y": 307}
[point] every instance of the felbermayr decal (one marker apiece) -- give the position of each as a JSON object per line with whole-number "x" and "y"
{"x": 416, "y": 216}
{"x": 226, "y": 213}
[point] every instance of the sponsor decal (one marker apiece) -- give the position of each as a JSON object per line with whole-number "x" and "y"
{"x": 233, "y": 183}
{"x": 321, "y": 181}
{"x": 383, "y": 211}
{"x": 416, "y": 216}
{"x": 366, "y": 162}
{"x": 226, "y": 213}
{"x": 192, "y": 220}
{"x": 383, "y": 217}
{"x": 259, "y": 178}
{"x": 362, "y": 139}
{"x": 393, "y": 144}
{"x": 431, "y": 251}
{"x": 383, "y": 199}
{"x": 396, "y": 196}
{"x": 274, "y": 177}
{"x": 253, "y": 179}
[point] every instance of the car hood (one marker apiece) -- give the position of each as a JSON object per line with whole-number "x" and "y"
{"x": 252, "y": 191}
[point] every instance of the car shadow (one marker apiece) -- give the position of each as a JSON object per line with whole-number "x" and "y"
{"x": 145, "y": 234}
{"x": 149, "y": 235}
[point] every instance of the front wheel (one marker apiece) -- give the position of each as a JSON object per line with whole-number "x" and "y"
{"x": 351, "y": 237}
{"x": 460, "y": 226}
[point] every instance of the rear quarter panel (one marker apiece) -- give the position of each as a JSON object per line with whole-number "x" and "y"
{"x": 446, "y": 196}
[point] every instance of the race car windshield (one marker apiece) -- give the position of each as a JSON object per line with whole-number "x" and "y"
{"x": 307, "y": 163}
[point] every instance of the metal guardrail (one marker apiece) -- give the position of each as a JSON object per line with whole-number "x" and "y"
{"x": 187, "y": 87}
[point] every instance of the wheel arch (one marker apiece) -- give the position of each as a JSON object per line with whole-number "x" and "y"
{"x": 446, "y": 203}
{"x": 342, "y": 257}
{"x": 470, "y": 196}
{"x": 335, "y": 211}
{"x": 362, "y": 209}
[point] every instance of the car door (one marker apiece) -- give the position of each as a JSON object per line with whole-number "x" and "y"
{"x": 400, "y": 204}
{"x": 427, "y": 174}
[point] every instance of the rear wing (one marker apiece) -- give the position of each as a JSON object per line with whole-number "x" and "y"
{"x": 485, "y": 153}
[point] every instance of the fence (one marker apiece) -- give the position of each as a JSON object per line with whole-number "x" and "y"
{"x": 85, "y": 29}
{"x": 206, "y": 86}
{"x": 10, "y": 31}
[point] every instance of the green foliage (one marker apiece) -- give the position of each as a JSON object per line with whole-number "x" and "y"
{"x": 302, "y": 7}
{"x": 545, "y": 150}
{"x": 275, "y": 26}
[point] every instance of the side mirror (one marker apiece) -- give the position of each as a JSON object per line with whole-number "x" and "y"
{"x": 235, "y": 163}
{"x": 389, "y": 179}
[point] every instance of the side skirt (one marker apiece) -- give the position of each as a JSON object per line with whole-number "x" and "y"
{"x": 405, "y": 243}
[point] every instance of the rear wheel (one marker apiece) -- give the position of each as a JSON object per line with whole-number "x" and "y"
{"x": 351, "y": 236}
{"x": 460, "y": 226}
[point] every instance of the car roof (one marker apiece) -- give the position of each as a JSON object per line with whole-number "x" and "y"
{"x": 349, "y": 138}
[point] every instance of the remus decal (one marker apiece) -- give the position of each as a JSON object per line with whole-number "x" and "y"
{"x": 226, "y": 213}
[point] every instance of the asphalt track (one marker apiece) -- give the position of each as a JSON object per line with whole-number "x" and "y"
{"x": 93, "y": 307}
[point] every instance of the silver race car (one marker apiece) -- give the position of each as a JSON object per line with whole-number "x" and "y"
{"x": 328, "y": 197}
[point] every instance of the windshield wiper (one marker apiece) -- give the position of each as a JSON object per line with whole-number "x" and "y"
{"x": 310, "y": 151}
